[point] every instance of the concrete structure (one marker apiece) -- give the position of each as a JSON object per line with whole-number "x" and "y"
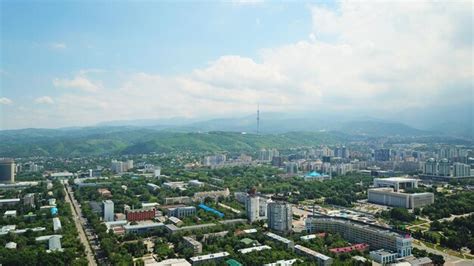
{"x": 288, "y": 243}
{"x": 182, "y": 211}
{"x": 141, "y": 228}
{"x": 356, "y": 232}
{"x": 444, "y": 168}
{"x": 193, "y": 243}
{"x": 252, "y": 249}
{"x": 29, "y": 199}
{"x": 108, "y": 210}
{"x": 386, "y": 196}
{"x": 9, "y": 202}
{"x": 140, "y": 214}
{"x": 431, "y": 167}
{"x": 178, "y": 200}
{"x": 7, "y": 171}
{"x": 54, "y": 242}
{"x": 382, "y": 155}
{"x": 170, "y": 262}
{"x": 282, "y": 263}
{"x": 152, "y": 186}
{"x": 56, "y": 224}
{"x": 11, "y": 245}
{"x": 252, "y": 208}
{"x": 321, "y": 259}
{"x": 382, "y": 256}
{"x": 204, "y": 259}
{"x": 461, "y": 170}
{"x": 280, "y": 216}
{"x": 201, "y": 196}
{"x": 9, "y": 213}
{"x": 396, "y": 183}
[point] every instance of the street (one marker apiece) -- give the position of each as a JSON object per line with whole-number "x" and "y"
{"x": 80, "y": 229}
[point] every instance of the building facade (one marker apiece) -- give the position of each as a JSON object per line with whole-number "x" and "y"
{"x": 280, "y": 216}
{"x": 108, "y": 210}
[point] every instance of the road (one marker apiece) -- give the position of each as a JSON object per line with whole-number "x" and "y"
{"x": 80, "y": 229}
{"x": 449, "y": 259}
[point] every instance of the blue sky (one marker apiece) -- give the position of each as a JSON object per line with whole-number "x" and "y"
{"x": 76, "y": 63}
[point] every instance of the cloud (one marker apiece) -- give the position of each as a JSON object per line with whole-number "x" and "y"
{"x": 44, "y": 100}
{"x": 375, "y": 59}
{"x": 78, "y": 82}
{"x": 58, "y": 46}
{"x": 5, "y": 101}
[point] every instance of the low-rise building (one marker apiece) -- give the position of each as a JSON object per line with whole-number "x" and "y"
{"x": 387, "y": 196}
{"x": 56, "y": 224}
{"x": 182, "y": 211}
{"x": 193, "y": 243}
{"x": 321, "y": 259}
{"x": 252, "y": 249}
{"x": 140, "y": 214}
{"x": 203, "y": 259}
{"x": 288, "y": 243}
{"x": 383, "y": 256}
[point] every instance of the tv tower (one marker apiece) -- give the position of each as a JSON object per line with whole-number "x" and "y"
{"x": 258, "y": 119}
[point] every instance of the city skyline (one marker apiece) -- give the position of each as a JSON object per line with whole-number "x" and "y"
{"x": 81, "y": 63}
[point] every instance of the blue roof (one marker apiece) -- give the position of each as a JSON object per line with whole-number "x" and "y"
{"x": 54, "y": 210}
{"x": 209, "y": 209}
{"x": 313, "y": 174}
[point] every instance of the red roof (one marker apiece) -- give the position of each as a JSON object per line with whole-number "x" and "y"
{"x": 361, "y": 246}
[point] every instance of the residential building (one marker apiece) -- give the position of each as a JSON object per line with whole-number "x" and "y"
{"x": 382, "y": 256}
{"x": 357, "y": 232}
{"x": 280, "y": 216}
{"x": 7, "y": 171}
{"x": 140, "y": 214}
{"x": 321, "y": 259}
{"x": 193, "y": 243}
{"x": 29, "y": 199}
{"x": 206, "y": 259}
{"x": 382, "y": 155}
{"x": 252, "y": 207}
{"x": 288, "y": 243}
{"x": 108, "y": 210}
{"x": 461, "y": 170}
{"x": 56, "y": 224}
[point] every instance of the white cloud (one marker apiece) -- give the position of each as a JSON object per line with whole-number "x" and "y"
{"x": 370, "y": 59}
{"x": 5, "y": 101}
{"x": 58, "y": 45}
{"x": 78, "y": 82}
{"x": 44, "y": 100}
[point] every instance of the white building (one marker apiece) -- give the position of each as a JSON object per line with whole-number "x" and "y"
{"x": 252, "y": 207}
{"x": 108, "y": 209}
{"x": 461, "y": 170}
{"x": 56, "y": 224}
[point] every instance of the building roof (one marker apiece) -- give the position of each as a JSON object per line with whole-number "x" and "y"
{"x": 257, "y": 248}
{"x": 210, "y": 256}
{"x": 9, "y": 200}
{"x": 312, "y": 252}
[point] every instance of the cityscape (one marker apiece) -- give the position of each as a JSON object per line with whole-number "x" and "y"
{"x": 315, "y": 133}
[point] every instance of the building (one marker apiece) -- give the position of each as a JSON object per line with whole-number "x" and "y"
{"x": 11, "y": 245}
{"x": 357, "y": 232}
{"x": 54, "y": 242}
{"x": 56, "y": 224}
{"x": 140, "y": 214}
{"x": 358, "y": 247}
{"x": 430, "y": 167}
{"x": 382, "y": 155}
{"x": 280, "y": 216}
{"x": 193, "y": 243}
{"x": 388, "y": 197}
{"x": 7, "y": 171}
{"x": 178, "y": 200}
{"x": 120, "y": 167}
{"x": 9, "y": 214}
{"x": 461, "y": 170}
{"x": 321, "y": 259}
{"x": 252, "y": 249}
{"x": 252, "y": 207}
{"x": 315, "y": 176}
{"x": 214, "y": 160}
{"x": 170, "y": 262}
{"x": 108, "y": 210}
{"x": 201, "y": 196}
{"x": 444, "y": 168}
{"x": 291, "y": 168}
{"x": 104, "y": 192}
{"x": 141, "y": 228}
{"x": 9, "y": 202}
{"x": 382, "y": 256}
{"x": 288, "y": 243}
{"x": 29, "y": 199}
{"x": 182, "y": 211}
{"x": 206, "y": 259}
{"x": 152, "y": 186}
{"x": 396, "y": 183}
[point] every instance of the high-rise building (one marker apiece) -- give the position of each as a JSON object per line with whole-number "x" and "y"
{"x": 108, "y": 210}
{"x": 430, "y": 167}
{"x": 341, "y": 152}
{"x": 291, "y": 168}
{"x": 444, "y": 167}
{"x": 461, "y": 170}
{"x": 382, "y": 155}
{"x": 280, "y": 216}
{"x": 252, "y": 207}
{"x": 7, "y": 171}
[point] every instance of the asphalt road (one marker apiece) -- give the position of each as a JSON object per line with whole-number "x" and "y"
{"x": 449, "y": 259}
{"x": 80, "y": 229}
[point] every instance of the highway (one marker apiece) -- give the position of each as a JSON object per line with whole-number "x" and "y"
{"x": 80, "y": 229}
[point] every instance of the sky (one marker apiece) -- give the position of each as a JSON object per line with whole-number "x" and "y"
{"x": 78, "y": 63}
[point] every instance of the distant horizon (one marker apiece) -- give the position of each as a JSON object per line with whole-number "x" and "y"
{"x": 407, "y": 62}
